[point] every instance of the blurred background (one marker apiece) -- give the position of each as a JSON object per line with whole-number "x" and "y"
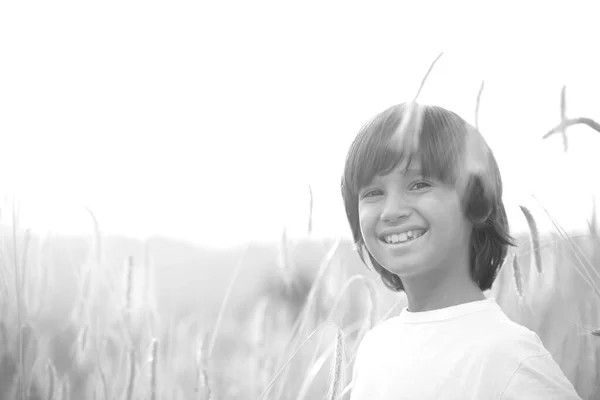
{"x": 171, "y": 156}
{"x": 208, "y": 121}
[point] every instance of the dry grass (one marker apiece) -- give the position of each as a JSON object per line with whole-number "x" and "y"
{"x": 337, "y": 369}
{"x": 266, "y": 344}
{"x": 154, "y": 370}
{"x": 202, "y": 380}
{"x": 104, "y": 364}
{"x": 518, "y": 276}
{"x": 534, "y": 237}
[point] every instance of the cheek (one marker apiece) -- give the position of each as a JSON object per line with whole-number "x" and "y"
{"x": 454, "y": 221}
{"x": 362, "y": 219}
{"x": 447, "y": 211}
{"x": 366, "y": 221}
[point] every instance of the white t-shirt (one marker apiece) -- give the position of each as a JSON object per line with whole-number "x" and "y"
{"x": 468, "y": 351}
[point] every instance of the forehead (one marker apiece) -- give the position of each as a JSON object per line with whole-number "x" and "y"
{"x": 434, "y": 148}
{"x": 404, "y": 168}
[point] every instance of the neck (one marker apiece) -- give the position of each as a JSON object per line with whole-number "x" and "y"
{"x": 441, "y": 291}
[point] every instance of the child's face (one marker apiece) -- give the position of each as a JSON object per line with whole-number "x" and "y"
{"x": 413, "y": 225}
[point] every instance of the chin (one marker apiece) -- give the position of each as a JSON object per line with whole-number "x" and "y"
{"x": 400, "y": 268}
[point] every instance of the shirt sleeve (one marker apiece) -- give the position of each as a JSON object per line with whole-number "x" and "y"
{"x": 539, "y": 377}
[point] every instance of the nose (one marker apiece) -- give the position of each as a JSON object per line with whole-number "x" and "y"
{"x": 395, "y": 208}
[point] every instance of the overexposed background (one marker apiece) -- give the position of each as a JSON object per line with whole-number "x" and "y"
{"x": 207, "y": 121}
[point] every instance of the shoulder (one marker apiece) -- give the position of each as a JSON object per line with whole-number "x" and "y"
{"x": 529, "y": 368}
{"x": 539, "y": 377}
{"x": 378, "y": 338}
{"x": 374, "y": 336}
{"x": 383, "y": 332}
{"x": 507, "y": 344}
{"x": 513, "y": 340}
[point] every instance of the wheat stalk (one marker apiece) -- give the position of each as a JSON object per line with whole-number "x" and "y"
{"x": 407, "y": 133}
{"x": 315, "y": 368}
{"x": 132, "y": 375}
{"x": 51, "y": 372}
{"x": 563, "y": 116}
{"x": 373, "y": 305}
{"x": 556, "y": 240}
{"x": 82, "y": 342}
{"x": 291, "y": 358}
{"x": 372, "y": 313}
{"x": 337, "y": 369}
{"x": 560, "y": 128}
{"x": 356, "y": 278}
{"x": 260, "y": 338}
{"x": 535, "y": 238}
{"x": 31, "y": 387}
{"x": 100, "y": 369}
{"x": 302, "y": 318}
{"x": 285, "y": 260}
{"x": 477, "y": 104}
{"x": 584, "y": 267}
{"x": 202, "y": 380}
{"x": 592, "y": 221}
{"x": 129, "y": 283}
{"x": 426, "y": 76}
{"x": 153, "y": 368}
{"x": 97, "y": 237}
{"x": 225, "y": 301}
{"x": 370, "y": 322}
{"x": 518, "y": 276}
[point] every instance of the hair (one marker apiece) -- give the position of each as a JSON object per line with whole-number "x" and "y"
{"x": 450, "y": 150}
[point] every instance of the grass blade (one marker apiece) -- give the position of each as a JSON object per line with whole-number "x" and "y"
{"x": 290, "y": 359}
{"x": 427, "y": 76}
{"x": 535, "y": 238}
{"x": 478, "y": 104}
{"x": 236, "y": 272}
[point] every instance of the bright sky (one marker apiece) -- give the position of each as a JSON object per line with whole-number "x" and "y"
{"x": 208, "y": 120}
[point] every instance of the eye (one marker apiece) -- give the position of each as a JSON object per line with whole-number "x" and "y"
{"x": 420, "y": 185}
{"x": 371, "y": 193}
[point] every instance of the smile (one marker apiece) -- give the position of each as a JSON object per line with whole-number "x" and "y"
{"x": 403, "y": 237}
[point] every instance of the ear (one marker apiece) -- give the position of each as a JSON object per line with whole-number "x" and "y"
{"x": 478, "y": 204}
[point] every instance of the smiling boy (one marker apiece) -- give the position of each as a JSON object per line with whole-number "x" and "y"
{"x": 424, "y": 203}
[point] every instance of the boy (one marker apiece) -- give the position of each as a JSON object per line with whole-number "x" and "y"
{"x": 423, "y": 196}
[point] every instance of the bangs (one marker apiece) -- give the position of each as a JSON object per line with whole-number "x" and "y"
{"x": 404, "y": 133}
{"x": 372, "y": 153}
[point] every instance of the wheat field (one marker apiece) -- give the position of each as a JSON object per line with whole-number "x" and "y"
{"x": 105, "y": 317}
{"x": 113, "y": 318}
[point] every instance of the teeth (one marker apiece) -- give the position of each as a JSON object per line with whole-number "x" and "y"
{"x": 404, "y": 236}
